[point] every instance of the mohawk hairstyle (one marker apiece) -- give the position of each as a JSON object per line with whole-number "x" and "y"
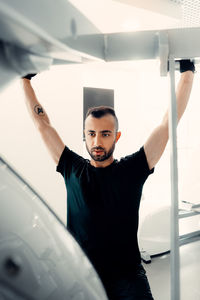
{"x": 101, "y": 111}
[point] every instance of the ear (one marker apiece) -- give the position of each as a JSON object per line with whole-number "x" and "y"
{"x": 118, "y": 136}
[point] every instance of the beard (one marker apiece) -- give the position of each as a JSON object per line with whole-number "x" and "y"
{"x": 103, "y": 156}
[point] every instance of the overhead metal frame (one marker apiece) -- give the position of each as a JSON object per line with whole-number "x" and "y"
{"x": 140, "y": 45}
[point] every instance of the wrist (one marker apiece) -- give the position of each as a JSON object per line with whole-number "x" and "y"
{"x": 187, "y": 76}
{"x": 186, "y": 65}
{"x": 29, "y": 76}
{"x": 25, "y": 82}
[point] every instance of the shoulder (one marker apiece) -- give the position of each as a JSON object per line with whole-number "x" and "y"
{"x": 68, "y": 160}
{"x": 134, "y": 157}
{"x": 137, "y": 160}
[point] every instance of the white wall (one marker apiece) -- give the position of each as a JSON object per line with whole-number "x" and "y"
{"x": 141, "y": 97}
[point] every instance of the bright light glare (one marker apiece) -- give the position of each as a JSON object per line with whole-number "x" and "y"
{"x": 131, "y": 25}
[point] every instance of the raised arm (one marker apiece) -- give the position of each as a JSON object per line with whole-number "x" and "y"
{"x": 156, "y": 143}
{"x": 49, "y": 135}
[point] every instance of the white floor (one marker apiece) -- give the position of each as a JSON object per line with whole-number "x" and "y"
{"x": 158, "y": 272}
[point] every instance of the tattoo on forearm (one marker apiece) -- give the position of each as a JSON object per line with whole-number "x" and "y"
{"x": 39, "y": 110}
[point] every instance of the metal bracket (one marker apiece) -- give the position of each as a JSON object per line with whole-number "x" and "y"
{"x": 163, "y": 52}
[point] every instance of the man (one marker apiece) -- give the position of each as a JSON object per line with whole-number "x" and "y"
{"x": 104, "y": 194}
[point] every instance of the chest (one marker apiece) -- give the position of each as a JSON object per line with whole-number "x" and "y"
{"x": 115, "y": 192}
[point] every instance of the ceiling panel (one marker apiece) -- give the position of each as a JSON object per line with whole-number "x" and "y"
{"x": 191, "y": 13}
{"x": 118, "y": 16}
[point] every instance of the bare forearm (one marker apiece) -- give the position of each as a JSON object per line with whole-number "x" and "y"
{"x": 49, "y": 135}
{"x": 157, "y": 141}
{"x": 35, "y": 109}
{"x": 183, "y": 92}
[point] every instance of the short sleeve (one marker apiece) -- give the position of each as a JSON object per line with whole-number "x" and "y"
{"x": 67, "y": 161}
{"x": 143, "y": 160}
{"x": 137, "y": 165}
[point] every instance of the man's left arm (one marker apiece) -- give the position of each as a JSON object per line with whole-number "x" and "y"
{"x": 156, "y": 143}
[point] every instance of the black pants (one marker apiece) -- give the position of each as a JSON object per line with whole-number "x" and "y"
{"x": 131, "y": 287}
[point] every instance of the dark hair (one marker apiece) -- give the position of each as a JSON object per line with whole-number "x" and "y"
{"x": 100, "y": 111}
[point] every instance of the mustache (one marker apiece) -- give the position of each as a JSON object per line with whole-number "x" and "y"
{"x": 97, "y": 149}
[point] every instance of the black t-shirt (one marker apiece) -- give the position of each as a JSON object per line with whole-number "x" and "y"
{"x": 102, "y": 209}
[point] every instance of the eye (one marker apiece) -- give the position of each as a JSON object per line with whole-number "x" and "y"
{"x": 91, "y": 133}
{"x": 105, "y": 134}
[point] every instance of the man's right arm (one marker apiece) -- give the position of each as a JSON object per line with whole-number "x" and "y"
{"x": 49, "y": 135}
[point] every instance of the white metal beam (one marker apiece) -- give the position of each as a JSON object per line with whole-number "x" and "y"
{"x": 183, "y": 43}
{"x": 174, "y": 256}
{"x": 180, "y": 43}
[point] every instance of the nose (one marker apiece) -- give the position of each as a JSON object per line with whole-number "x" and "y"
{"x": 97, "y": 141}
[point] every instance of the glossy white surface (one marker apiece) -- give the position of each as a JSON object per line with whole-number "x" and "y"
{"x": 38, "y": 257}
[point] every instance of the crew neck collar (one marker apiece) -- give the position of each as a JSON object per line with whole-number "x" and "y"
{"x": 102, "y": 168}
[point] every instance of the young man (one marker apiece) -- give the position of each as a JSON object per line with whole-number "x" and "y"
{"x": 104, "y": 194}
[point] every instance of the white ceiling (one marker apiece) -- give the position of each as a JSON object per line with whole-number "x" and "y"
{"x": 129, "y": 15}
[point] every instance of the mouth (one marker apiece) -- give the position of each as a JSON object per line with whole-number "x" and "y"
{"x": 98, "y": 152}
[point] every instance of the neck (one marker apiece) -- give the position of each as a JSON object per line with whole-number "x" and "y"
{"x": 102, "y": 164}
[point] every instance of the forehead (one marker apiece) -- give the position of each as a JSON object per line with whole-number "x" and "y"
{"x": 106, "y": 122}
